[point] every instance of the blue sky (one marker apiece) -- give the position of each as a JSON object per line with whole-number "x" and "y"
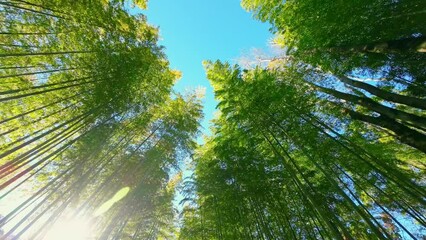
{"x": 196, "y": 30}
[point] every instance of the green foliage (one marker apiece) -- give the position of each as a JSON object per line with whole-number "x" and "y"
{"x": 312, "y": 147}
{"x": 287, "y": 160}
{"x": 282, "y": 165}
{"x": 87, "y": 109}
{"x": 311, "y": 24}
{"x": 372, "y": 51}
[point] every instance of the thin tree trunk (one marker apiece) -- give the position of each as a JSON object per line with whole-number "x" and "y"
{"x": 30, "y": 10}
{"x": 26, "y": 179}
{"x": 45, "y": 85}
{"x": 52, "y": 143}
{"x": 30, "y": 123}
{"x": 376, "y": 107}
{"x": 404, "y": 134}
{"x": 366, "y": 215}
{"x": 393, "y": 97}
{"x": 21, "y": 174}
{"x": 374, "y": 200}
{"x": 41, "y": 53}
{"x": 375, "y": 163}
{"x": 53, "y": 191}
{"x": 77, "y": 118}
{"x": 40, "y": 108}
{"x": 22, "y": 67}
{"x": 322, "y": 212}
{"x": 45, "y": 91}
{"x": 32, "y": 33}
{"x": 35, "y": 73}
{"x": 40, "y": 6}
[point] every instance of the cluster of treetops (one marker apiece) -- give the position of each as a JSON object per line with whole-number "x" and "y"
{"x": 327, "y": 141}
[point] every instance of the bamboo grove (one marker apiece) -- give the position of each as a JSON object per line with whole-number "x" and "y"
{"x": 326, "y": 141}
{"x": 89, "y": 125}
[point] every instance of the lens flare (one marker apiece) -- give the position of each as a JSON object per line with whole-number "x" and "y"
{"x": 108, "y": 204}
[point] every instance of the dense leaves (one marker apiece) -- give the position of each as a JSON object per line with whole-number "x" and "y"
{"x": 370, "y": 59}
{"x": 280, "y": 166}
{"x": 327, "y": 141}
{"x": 90, "y": 128}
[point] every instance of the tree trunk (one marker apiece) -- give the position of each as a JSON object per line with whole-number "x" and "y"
{"x": 45, "y": 91}
{"x": 31, "y": 10}
{"x": 403, "y": 133}
{"x": 39, "y": 108}
{"x": 41, "y": 53}
{"x": 396, "y": 98}
{"x": 35, "y": 73}
{"x": 376, "y": 107}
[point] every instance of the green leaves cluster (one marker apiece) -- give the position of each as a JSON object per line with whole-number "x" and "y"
{"x": 279, "y": 166}
{"x": 370, "y": 59}
{"x": 310, "y": 24}
{"x": 87, "y": 109}
{"x": 313, "y": 146}
{"x": 324, "y": 143}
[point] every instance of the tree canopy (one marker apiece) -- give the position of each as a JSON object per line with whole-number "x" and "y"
{"x": 326, "y": 141}
{"x": 89, "y": 120}
{"x": 281, "y": 164}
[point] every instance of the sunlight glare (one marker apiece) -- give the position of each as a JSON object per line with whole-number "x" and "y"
{"x": 69, "y": 229}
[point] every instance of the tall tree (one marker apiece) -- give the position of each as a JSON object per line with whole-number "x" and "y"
{"x": 280, "y": 166}
{"x": 89, "y": 120}
{"x": 375, "y": 50}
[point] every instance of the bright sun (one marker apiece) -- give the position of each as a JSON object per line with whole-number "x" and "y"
{"x": 69, "y": 229}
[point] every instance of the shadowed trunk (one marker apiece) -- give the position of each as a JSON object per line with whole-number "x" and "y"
{"x": 393, "y": 97}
